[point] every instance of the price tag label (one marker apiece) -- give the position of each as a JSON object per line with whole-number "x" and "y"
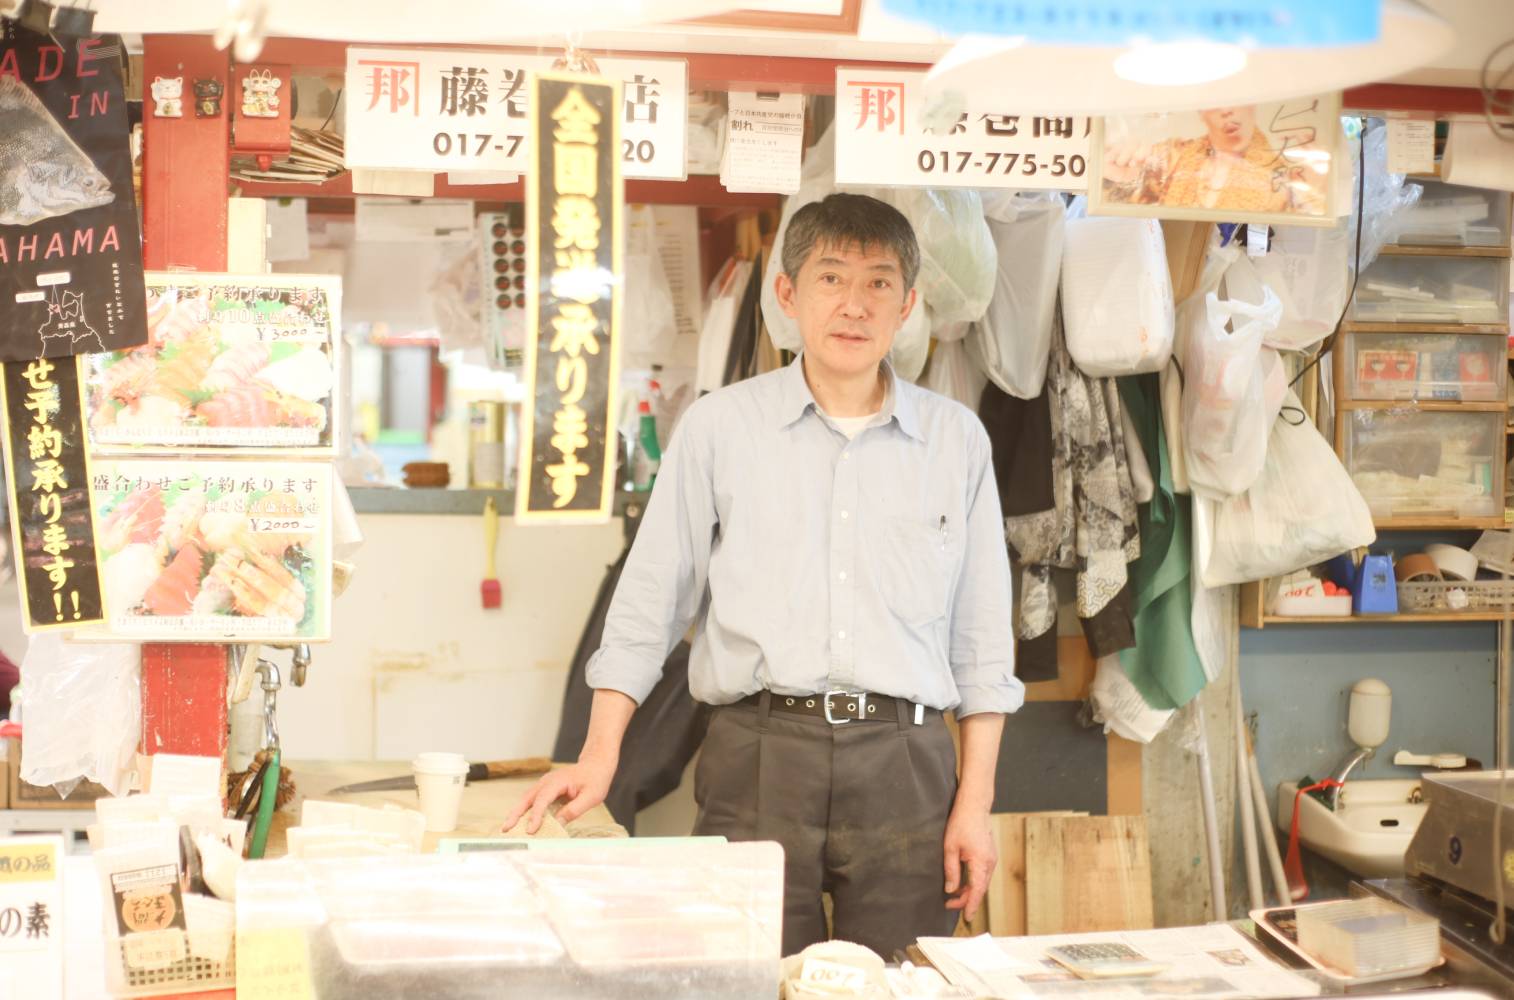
{"x": 1411, "y": 145}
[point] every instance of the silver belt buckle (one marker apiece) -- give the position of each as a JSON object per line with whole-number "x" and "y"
{"x": 861, "y": 705}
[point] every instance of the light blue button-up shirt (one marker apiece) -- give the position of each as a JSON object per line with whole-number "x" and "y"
{"x": 815, "y": 563}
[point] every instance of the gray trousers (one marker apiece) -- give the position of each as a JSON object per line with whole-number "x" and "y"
{"x": 860, "y": 809}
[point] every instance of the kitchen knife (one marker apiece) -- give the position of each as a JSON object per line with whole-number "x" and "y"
{"x": 487, "y": 771}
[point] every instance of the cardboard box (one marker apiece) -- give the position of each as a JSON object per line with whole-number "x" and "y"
{"x": 21, "y": 795}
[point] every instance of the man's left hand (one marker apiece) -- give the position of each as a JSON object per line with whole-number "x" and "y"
{"x": 969, "y": 844}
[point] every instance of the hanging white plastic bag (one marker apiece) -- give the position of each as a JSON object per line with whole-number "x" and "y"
{"x": 1118, "y": 704}
{"x": 1012, "y": 341}
{"x": 953, "y": 374}
{"x": 650, "y": 330}
{"x": 1302, "y": 510}
{"x": 1309, "y": 269}
{"x": 1117, "y": 296}
{"x": 83, "y": 713}
{"x": 912, "y": 343}
{"x": 1232, "y": 386}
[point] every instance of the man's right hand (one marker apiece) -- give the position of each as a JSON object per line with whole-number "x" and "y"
{"x": 584, "y": 785}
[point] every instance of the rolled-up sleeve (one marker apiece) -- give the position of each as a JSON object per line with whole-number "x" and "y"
{"x": 982, "y": 640}
{"x": 663, "y": 584}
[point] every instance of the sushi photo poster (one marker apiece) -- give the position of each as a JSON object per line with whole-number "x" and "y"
{"x": 70, "y": 246}
{"x": 236, "y": 364}
{"x": 214, "y": 551}
{"x": 47, "y": 476}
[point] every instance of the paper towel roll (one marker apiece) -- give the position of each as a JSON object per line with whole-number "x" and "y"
{"x": 1474, "y": 156}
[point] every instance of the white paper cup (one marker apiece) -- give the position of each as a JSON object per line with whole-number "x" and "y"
{"x": 439, "y": 781}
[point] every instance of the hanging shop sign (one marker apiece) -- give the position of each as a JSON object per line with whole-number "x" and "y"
{"x": 70, "y": 249}
{"x": 1270, "y": 163}
{"x": 573, "y": 221}
{"x": 452, "y": 110}
{"x": 887, "y": 135}
{"x": 232, "y": 362}
{"x": 47, "y": 472}
{"x": 214, "y": 550}
{"x": 1270, "y": 23}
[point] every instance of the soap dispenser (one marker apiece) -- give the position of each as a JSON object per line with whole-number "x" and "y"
{"x": 1367, "y": 716}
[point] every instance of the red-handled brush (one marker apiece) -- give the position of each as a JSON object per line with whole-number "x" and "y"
{"x": 488, "y": 590}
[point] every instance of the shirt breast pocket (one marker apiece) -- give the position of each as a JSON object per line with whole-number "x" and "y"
{"x": 914, "y": 570}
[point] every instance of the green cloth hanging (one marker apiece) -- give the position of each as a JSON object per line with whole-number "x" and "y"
{"x": 1164, "y": 665}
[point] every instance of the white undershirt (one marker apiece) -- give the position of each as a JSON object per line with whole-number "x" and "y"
{"x": 852, "y": 426}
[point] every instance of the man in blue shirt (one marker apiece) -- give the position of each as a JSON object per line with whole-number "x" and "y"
{"x": 834, "y": 533}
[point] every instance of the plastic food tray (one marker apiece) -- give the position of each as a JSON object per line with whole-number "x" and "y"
{"x": 1370, "y": 937}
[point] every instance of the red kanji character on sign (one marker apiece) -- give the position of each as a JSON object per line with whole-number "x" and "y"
{"x": 395, "y": 84}
{"x": 881, "y": 103}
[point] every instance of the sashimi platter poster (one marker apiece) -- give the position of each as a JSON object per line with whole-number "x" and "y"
{"x": 233, "y": 363}
{"x": 70, "y": 250}
{"x": 214, "y": 550}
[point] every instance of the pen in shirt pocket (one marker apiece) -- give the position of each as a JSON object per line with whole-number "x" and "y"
{"x": 943, "y": 532}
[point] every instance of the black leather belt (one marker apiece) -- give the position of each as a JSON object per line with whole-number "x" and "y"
{"x": 838, "y": 707}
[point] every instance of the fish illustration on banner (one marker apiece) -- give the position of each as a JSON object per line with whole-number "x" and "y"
{"x": 70, "y": 247}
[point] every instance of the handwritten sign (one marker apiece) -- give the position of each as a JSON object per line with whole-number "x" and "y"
{"x": 887, "y": 135}
{"x": 47, "y": 474}
{"x": 460, "y": 110}
{"x": 70, "y": 248}
{"x": 573, "y": 216}
{"x": 273, "y": 964}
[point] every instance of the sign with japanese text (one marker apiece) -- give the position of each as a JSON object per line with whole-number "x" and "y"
{"x": 232, "y": 362}
{"x": 31, "y": 916}
{"x": 214, "y": 551}
{"x": 456, "y": 110}
{"x": 1271, "y": 163}
{"x": 573, "y": 225}
{"x": 886, "y": 135}
{"x": 47, "y": 473}
{"x": 70, "y": 248}
{"x": 273, "y": 963}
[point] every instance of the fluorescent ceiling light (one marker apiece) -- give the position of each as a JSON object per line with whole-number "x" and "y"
{"x": 1084, "y": 80}
{"x": 1176, "y": 64}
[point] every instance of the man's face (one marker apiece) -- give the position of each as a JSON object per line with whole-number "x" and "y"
{"x": 849, "y": 303}
{"x": 1230, "y": 129}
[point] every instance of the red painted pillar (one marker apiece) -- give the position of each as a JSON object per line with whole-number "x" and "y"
{"x": 186, "y": 163}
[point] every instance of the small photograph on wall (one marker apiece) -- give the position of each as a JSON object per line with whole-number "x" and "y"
{"x": 1249, "y": 163}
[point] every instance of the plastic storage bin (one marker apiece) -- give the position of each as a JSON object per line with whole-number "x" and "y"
{"x": 1426, "y": 465}
{"x": 1369, "y": 937}
{"x": 1448, "y": 215}
{"x": 1433, "y": 290}
{"x": 1388, "y": 366}
{"x": 620, "y": 923}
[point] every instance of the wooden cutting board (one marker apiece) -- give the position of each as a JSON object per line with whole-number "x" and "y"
{"x": 1087, "y": 873}
{"x": 1005, "y": 900}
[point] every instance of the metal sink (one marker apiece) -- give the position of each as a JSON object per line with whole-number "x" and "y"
{"x": 1370, "y": 831}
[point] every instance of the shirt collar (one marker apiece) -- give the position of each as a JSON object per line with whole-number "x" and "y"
{"x": 898, "y": 405}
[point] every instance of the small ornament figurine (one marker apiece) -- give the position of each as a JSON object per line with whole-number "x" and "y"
{"x": 260, "y": 94}
{"x": 168, "y": 97}
{"x": 208, "y": 94}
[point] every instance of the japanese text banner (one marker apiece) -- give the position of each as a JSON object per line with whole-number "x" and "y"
{"x": 886, "y": 134}
{"x": 47, "y": 469}
{"x": 453, "y": 110}
{"x": 573, "y": 222}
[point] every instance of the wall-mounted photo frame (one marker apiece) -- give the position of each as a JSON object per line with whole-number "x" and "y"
{"x": 1271, "y": 163}
{"x": 234, "y": 364}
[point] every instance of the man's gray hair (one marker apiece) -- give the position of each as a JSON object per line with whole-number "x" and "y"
{"x": 851, "y": 220}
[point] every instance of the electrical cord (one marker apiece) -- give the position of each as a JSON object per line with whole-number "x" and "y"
{"x": 1499, "y": 928}
{"x": 1492, "y": 103}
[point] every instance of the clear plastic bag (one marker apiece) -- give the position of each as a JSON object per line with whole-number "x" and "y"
{"x": 956, "y": 256}
{"x": 1302, "y": 510}
{"x": 953, "y": 374}
{"x": 1012, "y": 342}
{"x": 1117, "y": 296}
{"x": 1386, "y": 199}
{"x": 83, "y": 713}
{"x": 1232, "y": 386}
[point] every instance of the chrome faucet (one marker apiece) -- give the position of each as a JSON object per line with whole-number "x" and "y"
{"x": 1344, "y": 771}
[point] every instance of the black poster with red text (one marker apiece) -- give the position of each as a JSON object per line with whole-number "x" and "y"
{"x": 70, "y": 249}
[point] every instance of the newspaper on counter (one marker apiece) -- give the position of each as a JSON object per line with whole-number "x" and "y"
{"x": 1216, "y": 962}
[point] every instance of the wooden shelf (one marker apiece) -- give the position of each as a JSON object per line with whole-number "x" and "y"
{"x": 700, "y": 189}
{"x": 1472, "y": 616}
{"x": 1394, "y": 250}
{"x": 1351, "y": 326}
{"x": 1427, "y": 405}
{"x": 1439, "y": 523}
